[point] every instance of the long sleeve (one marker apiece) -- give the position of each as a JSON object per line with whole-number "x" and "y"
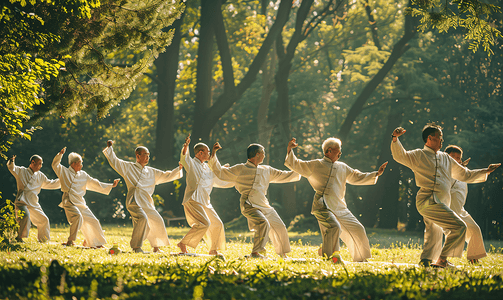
{"x": 278, "y": 176}
{"x": 95, "y": 185}
{"x": 356, "y": 177}
{"x": 222, "y": 184}
{"x": 186, "y": 160}
{"x": 167, "y": 176}
{"x": 117, "y": 164}
{"x": 12, "y": 167}
{"x": 304, "y": 168}
{"x": 56, "y": 164}
{"x": 224, "y": 173}
{"x": 400, "y": 155}
{"x": 50, "y": 184}
{"x": 466, "y": 175}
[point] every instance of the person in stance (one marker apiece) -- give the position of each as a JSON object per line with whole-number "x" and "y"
{"x": 200, "y": 214}
{"x": 141, "y": 181}
{"x": 328, "y": 177}
{"x": 252, "y": 181}
{"x": 459, "y": 192}
{"x": 434, "y": 171}
{"x": 74, "y": 184}
{"x": 29, "y": 183}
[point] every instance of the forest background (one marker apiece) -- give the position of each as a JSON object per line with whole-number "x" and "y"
{"x": 240, "y": 72}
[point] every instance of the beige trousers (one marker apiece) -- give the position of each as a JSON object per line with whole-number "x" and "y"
{"x": 475, "y": 248}
{"x": 147, "y": 224}
{"x": 348, "y": 228}
{"x": 204, "y": 223}
{"x": 266, "y": 224}
{"x": 84, "y": 220}
{"x": 33, "y": 215}
{"x": 439, "y": 218}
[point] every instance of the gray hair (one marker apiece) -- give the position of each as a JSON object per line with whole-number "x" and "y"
{"x": 74, "y": 157}
{"x": 331, "y": 143}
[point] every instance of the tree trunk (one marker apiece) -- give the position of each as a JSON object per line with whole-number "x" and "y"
{"x": 167, "y": 68}
{"x": 398, "y": 50}
{"x": 381, "y": 201}
{"x": 206, "y": 115}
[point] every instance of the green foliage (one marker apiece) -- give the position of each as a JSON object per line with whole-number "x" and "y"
{"x": 472, "y": 15}
{"x": 64, "y": 56}
{"x": 51, "y": 271}
{"x": 8, "y": 224}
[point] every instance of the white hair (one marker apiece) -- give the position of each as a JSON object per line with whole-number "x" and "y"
{"x": 331, "y": 143}
{"x": 74, "y": 157}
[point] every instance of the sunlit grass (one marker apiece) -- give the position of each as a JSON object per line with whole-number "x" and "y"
{"x": 94, "y": 273}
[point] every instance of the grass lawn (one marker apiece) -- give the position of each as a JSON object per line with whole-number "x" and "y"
{"x": 50, "y": 271}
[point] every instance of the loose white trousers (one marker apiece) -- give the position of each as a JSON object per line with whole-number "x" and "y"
{"x": 205, "y": 223}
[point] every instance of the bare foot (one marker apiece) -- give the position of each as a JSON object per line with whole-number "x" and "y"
{"x": 183, "y": 247}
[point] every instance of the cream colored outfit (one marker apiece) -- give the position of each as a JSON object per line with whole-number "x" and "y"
{"x": 433, "y": 173}
{"x": 74, "y": 186}
{"x": 29, "y": 184}
{"x": 200, "y": 214}
{"x": 329, "y": 205}
{"x": 252, "y": 183}
{"x": 141, "y": 182}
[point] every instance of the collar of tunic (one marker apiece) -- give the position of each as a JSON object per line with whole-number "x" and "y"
{"x": 249, "y": 164}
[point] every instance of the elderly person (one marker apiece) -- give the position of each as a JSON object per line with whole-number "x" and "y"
{"x": 74, "y": 185}
{"x": 200, "y": 214}
{"x": 328, "y": 177}
{"x": 141, "y": 181}
{"x": 434, "y": 171}
{"x": 252, "y": 181}
{"x": 29, "y": 183}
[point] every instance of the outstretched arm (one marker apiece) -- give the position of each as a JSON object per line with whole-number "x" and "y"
{"x": 304, "y": 168}
{"x": 10, "y": 163}
{"x": 399, "y": 154}
{"x": 382, "y": 168}
{"x": 117, "y": 164}
{"x": 56, "y": 162}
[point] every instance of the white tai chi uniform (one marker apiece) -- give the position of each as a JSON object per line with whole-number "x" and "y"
{"x": 329, "y": 205}
{"x": 74, "y": 186}
{"x": 199, "y": 212}
{"x": 433, "y": 173}
{"x": 141, "y": 182}
{"x": 475, "y": 249}
{"x": 252, "y": 183}
{"x": 29, "y": 185}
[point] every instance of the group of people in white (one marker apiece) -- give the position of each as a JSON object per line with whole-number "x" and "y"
{"x": 441, "y": 176}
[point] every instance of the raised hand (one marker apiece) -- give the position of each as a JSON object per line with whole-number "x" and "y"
{"x": 62, "y": 151}
{"x": 382, "y": 168}
{"x": 116, "y": 182}
{"x": 186, "y": 144}
{"x": 399, "y": 131}
{"x": 292, "y": 144}
{"x": 13, "y": 157}
{"x": 465, "y": 163}
{"x": 216, "y": 147}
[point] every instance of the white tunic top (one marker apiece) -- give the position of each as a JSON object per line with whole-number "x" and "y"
{"x": 459, "y": 191}
{"x": 75, "y": 184}
{"x": 30, "y": 183}
{"x": 252, "y": 181}
{"x": 434, "y": 171}
{"x": 200, "y": 180}
{"x": 329, "y": 179}
{"x": 140, "y": 181}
